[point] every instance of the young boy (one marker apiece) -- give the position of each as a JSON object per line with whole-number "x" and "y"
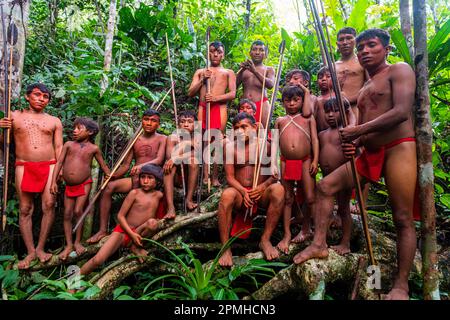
{"x": 178, "y": 151}
{"x": 38, "y": 143}
{"x": 149, "y": 149}
{"x": 252, "y": 78}
{"x": 137, "y": 219}
{"x": 240, "y": 196}
{"x": 247, "y": 106}
{"x": 331, "y": 157}
{"x": 301, "y": 78}
{"x": 299, "y": 149}
{"x": 223, "y": 89}
{"x": 76, "y": 160}
{"x": 387, "y": 133}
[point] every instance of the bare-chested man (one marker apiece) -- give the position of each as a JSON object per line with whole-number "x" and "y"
{"x": 38, "y": 144}
{"x": 350, "y": 73}
{"x": 223, "y": 89}
{"x": 180, "y": 149}
{"x": 252, "y": 78}
{"x": 240, "y": 195}
{"x": 386, "y": 131}
{"x": 149, "y": 149}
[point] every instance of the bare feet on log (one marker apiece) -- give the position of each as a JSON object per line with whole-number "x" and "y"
{"x": 170, "y": 214}
{"x": 341, "y": 248}
{"x": 140, "y": 252}
{"x": 270, "y": 252}
{"x": 25, "y": 263}
{"x": 43, "y": 256}
{"x": 226, "y": 260}
{"x": 191, "y": 205}
{"x": 79, "y": 249}
{"x": 283, "y": 245}
{"x": 302, "y": 236}
{"x": 65, "y": 253}
{"x": 312, "y": 251}
{"x": 97, "y": 237}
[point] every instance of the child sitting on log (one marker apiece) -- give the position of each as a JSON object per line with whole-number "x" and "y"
{"x": 137, "y": 219}
{"x": 76, "y": 161}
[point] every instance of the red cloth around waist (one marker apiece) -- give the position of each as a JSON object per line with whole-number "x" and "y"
{"x": 35, "y": 175}
{"x": 78, "y": 190}
{"x": 239, "y": 225}
{"x": 214, "y": 117}
{"x": 162, "y": 208}
{"x": 370, "y": 163}
{"x": 126, "y": 238}
{"x": 293, "y": 168}
{"x": 258, "y": 109}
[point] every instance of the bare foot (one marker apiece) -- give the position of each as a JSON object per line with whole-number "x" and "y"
{"x": 302, "y": 236}
{"x": 140, "y": 252}
{"x": 43, "y": 256}
{"x": 96, "y": 237}
{"x": 270, "y": 252}
{"x": 191, "y": 205}
{"x": 65, "y": 253}
{"x": 397, "y": 294}
{"x": 336, "y": 221}
{"x": 25, "y": 263}
{"x": 170, "y": 214}
{"x": 312, "y": 251}
{"x": 341, "y": 249}
{"x": 79, "y": 249}
{"x": 283, "y": 245}
{"x": 226, "y": 260}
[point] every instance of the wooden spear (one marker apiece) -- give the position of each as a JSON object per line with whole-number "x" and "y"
{"x": 174, "y": 100}
{"x": 122, "y": 157}
{"x": 208, "y": 113}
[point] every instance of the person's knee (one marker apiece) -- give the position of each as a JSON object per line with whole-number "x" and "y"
{"x": 151, "y": 224}
{"x": 48, "y": 205}
{"x": 403, "y": 218}
{"x": 26, "y": 209}
{"x": 310, "y": 198}
{"x": 77, "y": 212}
{"x": 278, "y": 196}
{"x": 228, "y": 196}
{"x": 324, "y": 188}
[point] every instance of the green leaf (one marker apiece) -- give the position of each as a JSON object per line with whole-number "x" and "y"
{"x": 11, "y": 277}
{"x": 400, "y": 43}
{"x": 439, "y": 37}
{"x": 92, "y": 291}
{"x": 6, "y": 258}
{"x": 285, "y": 36}
{"x": 357, "y": 18}
{"x": 117, "y": 292}
{"x": 445, "y": 200}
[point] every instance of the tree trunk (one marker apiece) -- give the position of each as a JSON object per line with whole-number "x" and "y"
{"x": 99, "y": 13}
{"x": 53, "y": 17}
{"x": 109, "y": 43}
{"x": 405, "y": 23}
{"x": 424, "y": 136}
{"x": 248, "y": 6}
{"x": 20, "y": 19}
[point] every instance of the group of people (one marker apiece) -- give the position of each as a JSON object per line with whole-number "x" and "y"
{"x": 378, "y": 99}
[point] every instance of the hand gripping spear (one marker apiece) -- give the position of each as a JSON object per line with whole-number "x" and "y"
{"x": 11, "y": 39}
{"x": 337, "y": 91}
{"x": 269, "y": 118}
{"x": 122, "y": 157}
{"x": 174, "y": 100}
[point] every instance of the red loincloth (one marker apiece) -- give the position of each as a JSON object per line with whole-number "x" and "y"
{"x": 293, "y": 168}
{"x": 35, "y": 175}
{"x": 162, "y": 208}
{"x": 370, "y": 165}
{"x": 215, "y": 119}
{"x": 78, "y": 190}
{"x": 239, "y": 225}
{"x": 258, "y": 109}
{"x": 126, "y": 238}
